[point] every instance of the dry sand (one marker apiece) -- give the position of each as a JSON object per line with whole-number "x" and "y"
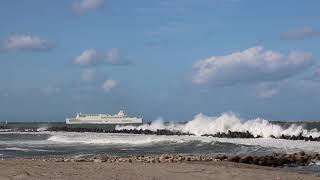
{"x": 37, "y": 169}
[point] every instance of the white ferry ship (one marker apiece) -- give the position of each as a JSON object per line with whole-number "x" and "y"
{"x": 104, "y": 119}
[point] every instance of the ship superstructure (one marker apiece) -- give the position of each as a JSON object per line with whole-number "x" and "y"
{"x": 118, "y": 119}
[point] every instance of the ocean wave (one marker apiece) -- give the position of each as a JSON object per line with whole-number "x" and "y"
{"x": 42, "y": 129}
{"x": 22, "y": 149}
{"x": 94, "y": 138}
{"x": 202, "y": 124}
{"x": 156, "y": 140}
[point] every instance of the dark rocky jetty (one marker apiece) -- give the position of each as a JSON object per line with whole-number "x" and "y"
{"x": 274, "y": 160}
{"x": 299, "y": 137}
{"x": 232, "y": 134}
{"x": 229, "y": 134}
{"x": 126, "y": 131}
{"x": 19, "y": 130}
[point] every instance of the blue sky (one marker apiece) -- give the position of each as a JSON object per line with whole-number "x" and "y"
{"x": 160, "y": 58}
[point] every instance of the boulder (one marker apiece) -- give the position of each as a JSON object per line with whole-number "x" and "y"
{"x": 246, "y": 159}
{"x": 234, "y": 159}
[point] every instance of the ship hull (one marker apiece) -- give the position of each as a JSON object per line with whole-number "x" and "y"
{"x": 101, "y": 126}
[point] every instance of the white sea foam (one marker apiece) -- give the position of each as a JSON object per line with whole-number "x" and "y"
{"x": 42, "y": 129}
{"x": 15, "y": 149}
{"x": 72, "y": 138}
{"x": 22, "y": 149}
{"x": 147, "y": 140}
{"x": 95, "y": 138}
{"x": 202, "y": 124}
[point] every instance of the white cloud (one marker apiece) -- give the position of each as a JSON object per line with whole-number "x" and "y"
{"x": 82, "y": 6}
{"x": 109, "y": 84}
{"x": 251, "y": 65}
{"x": 25, "y": 43}
{"x": 268, "y": 93}
{"x": 88, "y": 75}
{"x": 87, "y": 57}
{"x": 114, "y": 56}
{"x": 300, "y": 33}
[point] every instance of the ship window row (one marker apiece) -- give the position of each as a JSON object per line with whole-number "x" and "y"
{"x": 103, "y": 116}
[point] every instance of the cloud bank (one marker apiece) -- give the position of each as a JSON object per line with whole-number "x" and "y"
{"x": 25, "y": 43}
{"x": 251, "y": 65}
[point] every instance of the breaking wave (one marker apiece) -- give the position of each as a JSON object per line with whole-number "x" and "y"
{"x": 140, "y": 140}
{"x": 22, "y": 149}
{"x": 202, "y": 124}
{"x": 94, "y": 138}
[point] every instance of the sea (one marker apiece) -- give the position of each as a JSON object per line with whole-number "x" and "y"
{"x": 43, "y": 143}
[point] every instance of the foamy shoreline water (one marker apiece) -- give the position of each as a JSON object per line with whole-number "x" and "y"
{"x": 43, "y": 139}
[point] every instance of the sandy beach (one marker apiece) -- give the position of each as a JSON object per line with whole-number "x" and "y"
{"x": 37, "y": 169}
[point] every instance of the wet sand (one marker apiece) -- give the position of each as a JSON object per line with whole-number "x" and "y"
{"x": 37, "y": 169}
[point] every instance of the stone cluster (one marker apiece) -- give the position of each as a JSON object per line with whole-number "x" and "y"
{"x": 19, "y": 130}
{"x": 274, "y": 160}
{"x": 165, "y": 158}
{"x": 126, "y": 131}
{"x": 233, "y": 134}
{"x": 299, "y": 137}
